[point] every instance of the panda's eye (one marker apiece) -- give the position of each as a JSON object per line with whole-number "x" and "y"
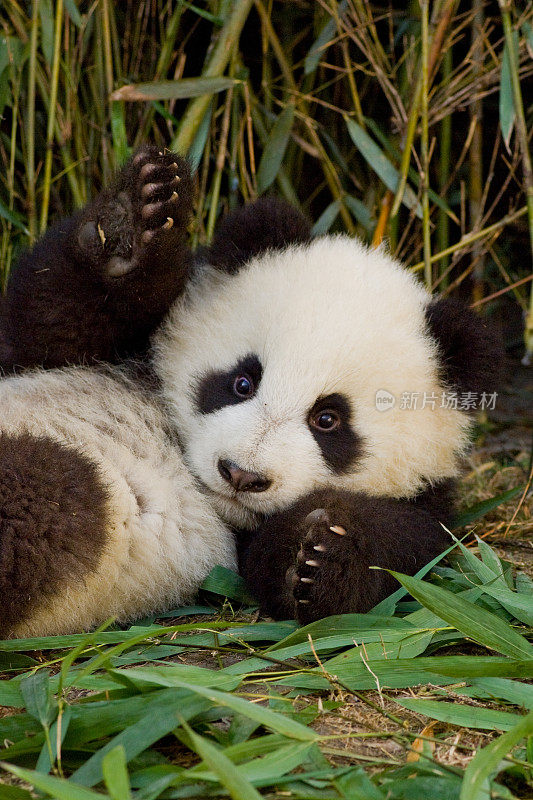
{"x": 326, "y": 420}
{"x": 243, "y": 386}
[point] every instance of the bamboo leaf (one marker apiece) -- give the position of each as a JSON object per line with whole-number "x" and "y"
{"x": 228, "y": 775}
{"x": 38, "y": 698}
{"x": 227, "y": 583}
{"x": 507, "y": 109}
{"x": 520, "y": 694}
{"x": 480, "y": 509}
{"x": 274, "y": 150}
{"x": 73, "y": 12}
{"x": 55, "y": 787}
{"x": 462, "y": 715}
{"x": 173, "y": 90}
{"x": 116, "y": 774}
{"x": 381, "y": 165}
{"x": 326, "y": 219}
{"x": 486, "y": 762}
{"x": 472, "y": 620}
{"x": 47, "y": 29}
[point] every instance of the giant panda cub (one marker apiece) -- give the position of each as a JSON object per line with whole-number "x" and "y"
{"x": 239, "y": 405}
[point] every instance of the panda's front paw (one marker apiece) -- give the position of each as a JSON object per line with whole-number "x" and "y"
{"x": 157, "y": 187}
{"x": 148, "y": 208}
{"x": 321, "y": 579}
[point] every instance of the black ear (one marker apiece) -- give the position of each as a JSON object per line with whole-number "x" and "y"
{"x": 470, "y": 351}
{"x": 267, "y": 224}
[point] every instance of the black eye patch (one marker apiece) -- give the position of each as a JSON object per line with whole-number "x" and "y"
{"x": 340, "y": 447}
{"x": 215, "y": 390}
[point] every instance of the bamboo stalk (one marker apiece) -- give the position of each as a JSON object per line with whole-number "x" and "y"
{"x": 476, "y": 149}
{"x": 30, "y": 146}
{"x": 218, "y": 61}
{"x": 424, "y": 147}
{"x": 330, "y": 173}
{"x": 443, "y": 231}
{"x": 435, "y": 51}
{"x": 51, "y": 115}
{"x": 221, "y": 158}
{"x": 521, "y": 133}
{"x": 470, "y": 238}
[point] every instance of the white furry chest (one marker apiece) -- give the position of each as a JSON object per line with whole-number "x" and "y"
{"x": 162, "y": 535}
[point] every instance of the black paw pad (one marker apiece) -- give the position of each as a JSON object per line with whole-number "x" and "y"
{"x": 317, "y": 564}
{"x": 159, "y": 194}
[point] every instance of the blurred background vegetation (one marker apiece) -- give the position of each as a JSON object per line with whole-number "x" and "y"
{"x": 407, "y": 122}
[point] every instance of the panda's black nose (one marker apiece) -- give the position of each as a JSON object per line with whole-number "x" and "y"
{"x": 240, "y": 479}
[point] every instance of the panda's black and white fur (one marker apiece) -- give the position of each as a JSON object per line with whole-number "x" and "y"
{"x": 122, "y": 486}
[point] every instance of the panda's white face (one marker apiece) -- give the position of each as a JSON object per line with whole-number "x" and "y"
{"x": 271, "y": 378}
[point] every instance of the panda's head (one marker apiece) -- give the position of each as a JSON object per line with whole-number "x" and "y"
{"x": 319, "y": 365}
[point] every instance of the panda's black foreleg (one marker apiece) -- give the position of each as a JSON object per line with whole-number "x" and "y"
{"x": 98, "y": 283}
{"x": 313, "y": 560}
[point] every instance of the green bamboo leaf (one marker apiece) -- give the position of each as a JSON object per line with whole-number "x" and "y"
{"x": 319, "y": 46}
{"x": 486, "y": 762}
{"x": 360, "y": 211}
{"x": 172, "y": 674}
{"x": 73, "y": 12}
{"x": 480, "y": 509}
{"x": 58, "y": 732}
{"x": 326, "y": 35}
{"x": 326, "y": 219}
{"x": 228, "y": 774}
{"x": 398, "y": 673}
{"x": 160, "y": 720}
{"x": 55, "y": 787}
{"x": 472, "y": 620}
{"x": 520, "y": 694}
{"x": 173, "y": 90}
{"x": 462, "y": 715}
{"x": 356, "y": 785}
{"x": 226, "y": 583}
{"x": 47, "y": 29}
{"x": 507, "y": 109}
{"x": 527, "y": 30}
{"x": 381, "y": 165}
{"x": 38, "y": 698}
{"x": 274, "y": 149}
{"x": 12, "y": 217}
{"x": 115, "y": 774}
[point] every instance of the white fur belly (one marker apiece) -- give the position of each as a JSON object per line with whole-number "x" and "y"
{"x": 162, "y": 536}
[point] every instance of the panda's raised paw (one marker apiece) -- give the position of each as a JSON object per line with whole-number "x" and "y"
{"x": 158, "y": 191}
{"x": 149, "y": 204}
{"x": 316, "y": 579}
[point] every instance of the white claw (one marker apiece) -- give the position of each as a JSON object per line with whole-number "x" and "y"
{"x": 312, "y": 563}
{"x": 307, "y": 580}
{"x": 305, "y": 602}
{"x": 174, "y": 196}
{"x": 320, "y": 548}
{"x": 338, "y": 529}
{"x": 168, "y": 224}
